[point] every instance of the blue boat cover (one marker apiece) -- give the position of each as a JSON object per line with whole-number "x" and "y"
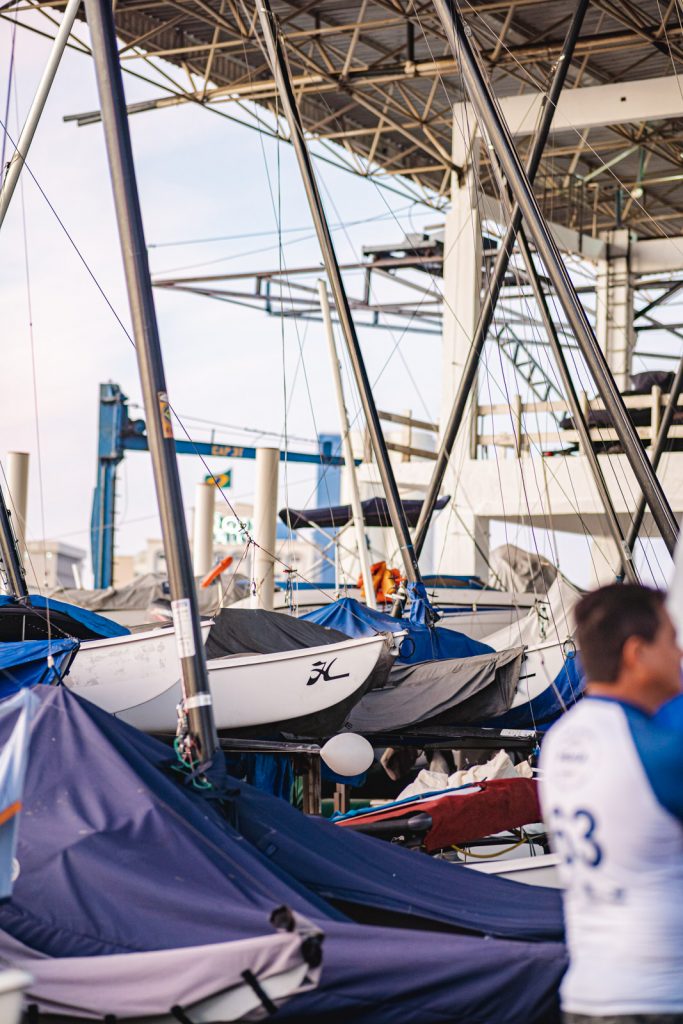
{"x": 543, "y": 710}
{"x": 423, "y": 643}
{"x": 116, "y": 854}
{"x": 26, "y": 664}
{"x": 97, "y": 624}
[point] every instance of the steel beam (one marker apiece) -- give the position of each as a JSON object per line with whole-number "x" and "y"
{"x": 580, "y": 423}
{"x": 657, "y": 449}
{"x": 201, "y": 741}
{"x": 278, "y": 62}
{"x": 16, "y": 164}
{"x": 497, "y": 278}
{"x": 490, "y": 121}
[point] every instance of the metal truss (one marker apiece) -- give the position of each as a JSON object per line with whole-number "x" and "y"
{"x": 375, "y": 83}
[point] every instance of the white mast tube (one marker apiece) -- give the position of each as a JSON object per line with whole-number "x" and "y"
{"x": 202, "y": 533}
{"x": 358, "y": 522}
{"x": 28, "y": 131}
{"x": 17, "y": 484}
{"x": 265, "y": 522}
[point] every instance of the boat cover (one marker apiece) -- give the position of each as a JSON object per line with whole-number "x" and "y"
{"x": 26, "y": 664}
{"x": 253, "y": 631}
{"x": 65, "y": 620}
{"x": 423, "y": 643}
{"x": 456, "y": 691}
{"x": 143, "y": 592}
{"x": 551, "y": 620}
{"x": 116, "y": 856}
{"x": 375, "y": 513}
{"x": 520, "y": 571}
{"x": 461, "y": 815}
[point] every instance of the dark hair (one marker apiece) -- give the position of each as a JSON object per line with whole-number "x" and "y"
{"x": 607, "y": 617}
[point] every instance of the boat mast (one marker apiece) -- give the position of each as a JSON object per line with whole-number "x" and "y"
{"x": 356, "y": 508}
{"x": 9, "y": 549}
{"x": 495, "y": 128}
{"x": 200, "y": 741}
{"x": 15, "y": 165}
{"x": 278, "y": 62}
{"x": 496, "y": 283}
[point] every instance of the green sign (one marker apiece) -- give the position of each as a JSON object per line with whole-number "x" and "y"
{"x": 222, "y": 480}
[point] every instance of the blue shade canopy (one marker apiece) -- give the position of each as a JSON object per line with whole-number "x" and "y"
{"x": 375, "y": 513}
{"x": 116, "y": 854}
{"x": 423, "y": 643}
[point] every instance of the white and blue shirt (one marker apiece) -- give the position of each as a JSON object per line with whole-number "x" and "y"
{"x": 612, "y": 798}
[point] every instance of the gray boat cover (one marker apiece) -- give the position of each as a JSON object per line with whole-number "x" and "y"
{"x": 142, "y": 593}
{"x": 206, "y": 981}
{"x": 522, "y": 572}
{"x": 254, "y": 631}
{"x": 457, "y": 691}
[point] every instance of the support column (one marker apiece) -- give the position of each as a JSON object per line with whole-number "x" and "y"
{"x": 202, "y": 528}
{"x": 455, "y": 552}
{"x": 17, "y": 482}
{"x": 265, "y": 515}
{"x": 614, "y": 313}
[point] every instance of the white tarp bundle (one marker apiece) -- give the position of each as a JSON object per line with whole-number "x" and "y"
{"x": 13, "y": 758}
{"x": 520, "y": 571}
{"x": 210, "y": 983}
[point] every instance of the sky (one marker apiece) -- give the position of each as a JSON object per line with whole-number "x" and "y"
{"x": 199, "y": 176}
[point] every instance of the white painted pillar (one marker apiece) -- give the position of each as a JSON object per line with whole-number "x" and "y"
{"x": 454, "y": 550}
{"x": 17, "y": 481}
{"x": 202, "y": 531}
{"x": 265, "y": 516}
{"x": 614, "y": 311}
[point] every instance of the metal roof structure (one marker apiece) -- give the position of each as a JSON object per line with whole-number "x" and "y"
{"x": 376, "y": 83}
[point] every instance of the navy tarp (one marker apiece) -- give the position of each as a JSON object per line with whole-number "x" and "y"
{"x": 26, "y": 664}
{"x": 375, "y": 513}
{"x": 423, "y": 643}
{"x": 96, "y": 625}
{"x": 116, "y": 855}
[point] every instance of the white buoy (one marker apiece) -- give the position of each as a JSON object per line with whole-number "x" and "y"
{"x": 348, "y": 754}
{"x": 202, "y": 532}
{"x": 265, "y": 515}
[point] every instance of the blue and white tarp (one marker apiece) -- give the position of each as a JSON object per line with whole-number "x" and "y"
{"x": 97, "y": 625}
{"x": 33, "y": 662}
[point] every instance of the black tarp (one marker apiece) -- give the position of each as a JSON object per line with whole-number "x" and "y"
{"x": 375, "y": 513}
{"x": 457, "y": 691}
{"x": 254, "y": 631}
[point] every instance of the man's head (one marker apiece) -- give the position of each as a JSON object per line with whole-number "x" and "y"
{"x": 628, "y": 644}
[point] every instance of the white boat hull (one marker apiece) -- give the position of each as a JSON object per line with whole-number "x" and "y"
{"x": 13, "y": 984}
{"x": 114, "y": 672}
{"x": 538, "y": 870}
{"x": 248, "y": 690}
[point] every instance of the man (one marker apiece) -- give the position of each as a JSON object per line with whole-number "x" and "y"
{"x": 612, "y": 797}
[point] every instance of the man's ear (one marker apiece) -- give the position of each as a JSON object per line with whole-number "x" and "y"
{"x": 631, "y": 652}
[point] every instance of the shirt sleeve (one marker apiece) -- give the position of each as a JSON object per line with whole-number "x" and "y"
{"x": 660, "y": 748}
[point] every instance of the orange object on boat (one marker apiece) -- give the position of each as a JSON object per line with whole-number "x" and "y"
{"x": 385, "y": 581}
{"x": 217, "y": 571}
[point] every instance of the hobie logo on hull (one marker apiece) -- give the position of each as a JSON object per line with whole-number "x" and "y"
{"x": 323, "y": 670}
